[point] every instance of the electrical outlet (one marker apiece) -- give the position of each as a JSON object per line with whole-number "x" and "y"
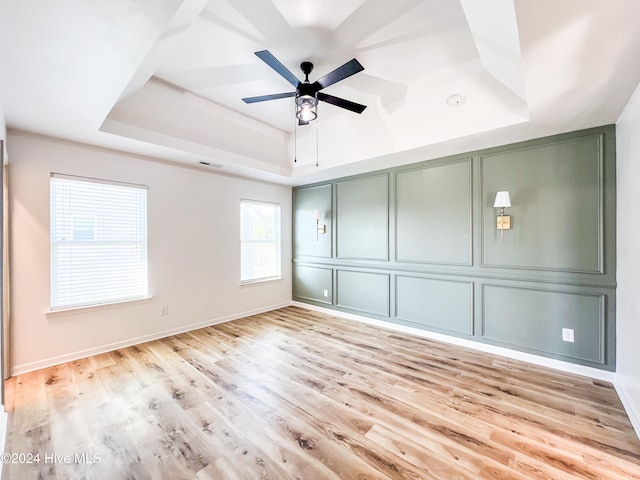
{"x": 326, "y": 292}
{"x": 567, "y": 335}
{"x": 164, "y": 310}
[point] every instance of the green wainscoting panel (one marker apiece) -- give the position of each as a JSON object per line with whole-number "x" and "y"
{"x": 557, "y": 206}
{"x": 310, "y": 283}
{"x": 363, "y": 292}
{"x": 417, "y": 245}
{"x": 534, "y": 319}
{"x": 433, "y": 214}
{"x": 362, "y": 212}
{"x": 306, "y": 241}
{"x": 441, "y": 304}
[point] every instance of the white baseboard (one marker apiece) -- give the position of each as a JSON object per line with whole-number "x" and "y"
{"x": 629, "y": 406}
{"x": 463, "y": 342}
{"x": 69, "y": 357}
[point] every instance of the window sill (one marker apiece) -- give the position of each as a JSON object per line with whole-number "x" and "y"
{"x": 63, "y": 312}
{"x": 250, "y": 283}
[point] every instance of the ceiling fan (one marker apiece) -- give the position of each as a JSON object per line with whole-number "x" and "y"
{"x": 308, "y": 94}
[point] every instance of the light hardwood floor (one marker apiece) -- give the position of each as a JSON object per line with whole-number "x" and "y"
{"x": 295, "y": 394}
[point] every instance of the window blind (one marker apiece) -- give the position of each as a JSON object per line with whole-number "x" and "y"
{"x": 259, "y": 241}
{"x": 98, "y": 241}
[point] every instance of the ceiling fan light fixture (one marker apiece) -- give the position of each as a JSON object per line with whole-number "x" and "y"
{"x": 306, "y": 107}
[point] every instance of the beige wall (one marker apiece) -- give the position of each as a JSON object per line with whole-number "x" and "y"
{"x": 194, "y": 251}
{"x": 628, "y": 277}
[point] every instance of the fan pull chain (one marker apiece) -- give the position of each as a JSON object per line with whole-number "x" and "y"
{"x": 295, "y": 140}
{"x": 317, "y": 145}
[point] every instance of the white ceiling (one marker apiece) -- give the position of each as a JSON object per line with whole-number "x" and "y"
{"x": 165, "y": 78}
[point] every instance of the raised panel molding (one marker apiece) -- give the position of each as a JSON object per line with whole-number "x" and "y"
{"x": 533, "y": 319}
{"x": 442, "y": 304}
{"x": 310, "y": 282}
{"x": 306, "y": 242}
{"x": 433, "y": 212}
{"x": 364, "y": 292}
{"x": 557, "y": 212}
{"x": 362, "y": 218}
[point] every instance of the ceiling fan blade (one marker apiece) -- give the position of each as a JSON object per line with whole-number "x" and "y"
{"x": 350, "y": 68}
{"x": 264, "y": 98}
{"x": 274, "y": 63}
{"x": 341, "y": 102}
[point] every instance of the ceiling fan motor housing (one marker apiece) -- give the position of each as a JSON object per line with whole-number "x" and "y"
{"x": 307, "y": 68}
{"x": 307, "y": 89}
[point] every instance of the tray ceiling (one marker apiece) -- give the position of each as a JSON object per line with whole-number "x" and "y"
{"x": 165, "y": 78}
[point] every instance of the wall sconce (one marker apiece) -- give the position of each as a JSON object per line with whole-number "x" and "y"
{"x": 503, "y": 221}
{"x": 319, "y": 228}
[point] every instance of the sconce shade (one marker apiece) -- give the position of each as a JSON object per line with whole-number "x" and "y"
{"x": 502, "y": 200}
{"x": 316, "y": 215}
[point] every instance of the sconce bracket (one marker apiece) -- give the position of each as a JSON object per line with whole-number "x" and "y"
{"x": 503, "y": 222}
{"x": 322, "y": 229}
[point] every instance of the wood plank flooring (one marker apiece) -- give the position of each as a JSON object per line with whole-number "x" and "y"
{"x": 295, "y": 394}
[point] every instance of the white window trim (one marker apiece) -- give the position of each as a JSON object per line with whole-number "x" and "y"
{"x": 249, "y": 283}
{"x": 98, "y": 180}
{"x": 63, "y": 312}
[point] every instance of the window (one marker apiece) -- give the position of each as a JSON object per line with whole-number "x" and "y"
{"x": 259, "y": 241}
{"x": 98, "y": 241}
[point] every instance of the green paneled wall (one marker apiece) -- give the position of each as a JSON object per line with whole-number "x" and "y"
{"x": 532, "y": 317}
{"x": 417, "y": 245}
{"x": 433, "y": 214}
{"x": 362, "y": 207}
{"x": 363, "y": 292}
{"x": 306, "y": 240}
{"x": 312, "y": 283}
{"x": 556, "y": 197}
{"x": 426, "y": 302}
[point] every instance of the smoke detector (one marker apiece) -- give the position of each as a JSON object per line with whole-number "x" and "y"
{"x": 455, "y": 100}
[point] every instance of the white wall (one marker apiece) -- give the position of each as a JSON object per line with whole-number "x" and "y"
{"x": 628, "y": 255}
{"x": 194, "y": 251}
